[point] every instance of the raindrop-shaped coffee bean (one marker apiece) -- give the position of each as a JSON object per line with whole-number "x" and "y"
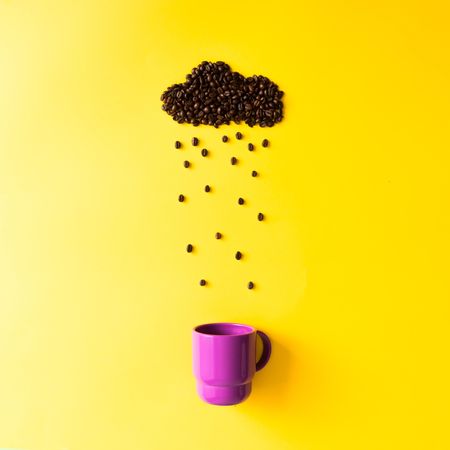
{"x": 251, "y": 285}
{"x": 233, "y": 161}
{"x": 239, "y": 135}
{"x": 204, "y": 152}
{"x": 177, "y": 144}
{"x": 202, "y": 282}
{"x": 224, "y": 138}
{"x": 260, "y": 217}
{"x": 181, "y": 198}
{"x": 241, "y": 201}
{"x": 186, "y": 164}
{"x": 207, "y": 188}
{"x": 189, "y": 248}
{"x": 254, "y": 173}
{"x": 265, "y": 143}
{"x": 238, "y": 255}
{"x": 194, "y": 141}
{"x": 218, "y": 235}
{"x": 251, "y": 147}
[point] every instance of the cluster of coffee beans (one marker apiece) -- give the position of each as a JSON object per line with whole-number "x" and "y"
{"x": 215, "y": 95}
{"x": 181, "y": 198}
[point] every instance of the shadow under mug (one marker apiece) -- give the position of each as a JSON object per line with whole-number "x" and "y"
{"x": 224, "y": 361}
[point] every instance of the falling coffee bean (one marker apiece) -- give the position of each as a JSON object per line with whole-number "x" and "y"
{"x": 177, "y": 144}
{"x": 207, "y": 188}
{"x": 239, "y": 135}
{"x": 260, "y": 216}
{"x": 202, "y": 282}
{"x": 186, "y": 164}
{"x": 194, "y": 141}
{"x": 241, "y": 201}
{"x": 218, "y": 235}
{"x": 238, "y": 255}
{"x": 204, "y": 152}
{"x": 224, "y": 138}
{"x": 251, "y": 147}
{"x": 189, "y": 248}
{"x": 251, "y": 285}
{"x": 265, "y": 143}
{"x": 233, "y": 161}
{"x": 181, "y": 198}
{"x": 254, "y": 173}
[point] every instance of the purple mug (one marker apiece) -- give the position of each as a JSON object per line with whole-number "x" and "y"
{"x": 224, "y": 356}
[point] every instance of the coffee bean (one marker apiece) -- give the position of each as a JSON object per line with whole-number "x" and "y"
{"x": 234, "y": 160}
{"x": 224, "y": 138}
{"x": 265, "y": 143}
{"x": 239, "y": 135}
{"x": 177, "y": 144}
{"x": 181, "y": 198}
{"x": 202, "y": 282}
{"x": 251, "y": 285}
{"x": 260, "y": 217}
{"x": 241, "y": 201}
{"x": 189, "y": 248}
{"x": 194, "y": 141}
{"x": 238, "y": 255}
{"x": 215, "y": 95}
{"x": 254, "y": 173}
{"x": 186, "y": 164}
{"x": 207, "y": 188}
{"x": 251, "y": 147}
{"x": 204, "y": 152}
{"x": 218, "y": 235}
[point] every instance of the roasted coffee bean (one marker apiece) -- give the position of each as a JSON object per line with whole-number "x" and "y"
{"x": 241, "y": 201}
{"x": 238, "y": 255}
{"x": 194, "y": 141}
{"x": 251, "y": 147}
{"x": 218, "y": 235}
{"x": 207, "y": 188}
{"x": 204, "y": 152}
{"x": 177, "y": 144}
{"x": 260, "y": 217}
{"x": 251, "y": 285}
{"x": 215, "y": 95}
{"x": 234, "y": 160}
{"x": 189, "y": 248}
{"x": 265, "y": 143}
{"x": 181, "y": 198}
{"x": 224, "y": 138}
{"x": 239, "y": 135}
{"x": 202, "y": 282}
{"x": 254, "y": 173}
{"x": 186, "y": 164}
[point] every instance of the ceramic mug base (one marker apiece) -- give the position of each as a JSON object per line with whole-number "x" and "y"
{"x": 223, "y": 395}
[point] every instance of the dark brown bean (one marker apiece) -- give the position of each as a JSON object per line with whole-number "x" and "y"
{"x": 265, "y": 143}
{"x": 189, "y": 248}
{"x": 207, "y": 188}
{"x": 241, "y": 201}
{"x": 194, "y": 141}
{"x": 224, "y": 138}
{"x": 177, "y": 144}
{"x": 251, "y": 147}
{"x": 204, "y": 152}
{"x": 251, "y": 285}
{"x": 238, "y": 255}
{"x": 186, "y": 164}
{"x": 218, "y": 235}
{"x": 254, "y": 173}
{"x": 202, "y": 282}
{"x": 181, "y": 198}
{"x": 239, "y": 135}
{"x": 234, "y": 161}
{"x": 260, "y": 217}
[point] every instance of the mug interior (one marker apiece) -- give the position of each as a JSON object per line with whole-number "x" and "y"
{"x": 224, "y": 329}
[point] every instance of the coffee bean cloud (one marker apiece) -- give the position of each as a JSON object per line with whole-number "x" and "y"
{"x": 215, "y": 95}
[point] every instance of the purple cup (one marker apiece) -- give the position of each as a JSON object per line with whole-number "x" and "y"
{"x": 224, "y": 357}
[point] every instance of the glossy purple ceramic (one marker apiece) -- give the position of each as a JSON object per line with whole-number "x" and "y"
{"x": 224, "y": 357}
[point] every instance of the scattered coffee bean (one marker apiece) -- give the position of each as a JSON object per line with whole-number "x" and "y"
{"x": 251, "y": 285}
{"x": 251, "y": 147}
{"x": 260, "y": 216}
{"x": 186, "y": 164}
{"x": 202, "y": 282}
{"x": 241, "y": 201}
{"x": 239, "y": 135}
{"x": 238, "y": 255}
{"x": 177, "y": 144}
{"x": 207, "y": 188}
{"x": 233, "y": 161}
{"x": 224, "y": 138}
{"x": 181, "y": 198}
{"x": 265, "y": 143}
{"x": 204, "y": 152}
{"x": 218, "y": 235}
{"x": 215, "y": 95}
{"x": 194, "y": 141}
{"x": 189, "y": 248}
{"x": 254, "y": 173}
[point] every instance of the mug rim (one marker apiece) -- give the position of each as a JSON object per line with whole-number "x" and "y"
{"x": 238, "y": 325}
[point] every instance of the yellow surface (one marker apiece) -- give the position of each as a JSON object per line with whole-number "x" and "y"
{"x": 98, "y": 297}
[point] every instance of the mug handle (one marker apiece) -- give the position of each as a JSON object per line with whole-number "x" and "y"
{"x": 267, "y": 350}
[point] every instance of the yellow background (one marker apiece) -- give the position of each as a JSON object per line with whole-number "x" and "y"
{"x": 97, "y": 295}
